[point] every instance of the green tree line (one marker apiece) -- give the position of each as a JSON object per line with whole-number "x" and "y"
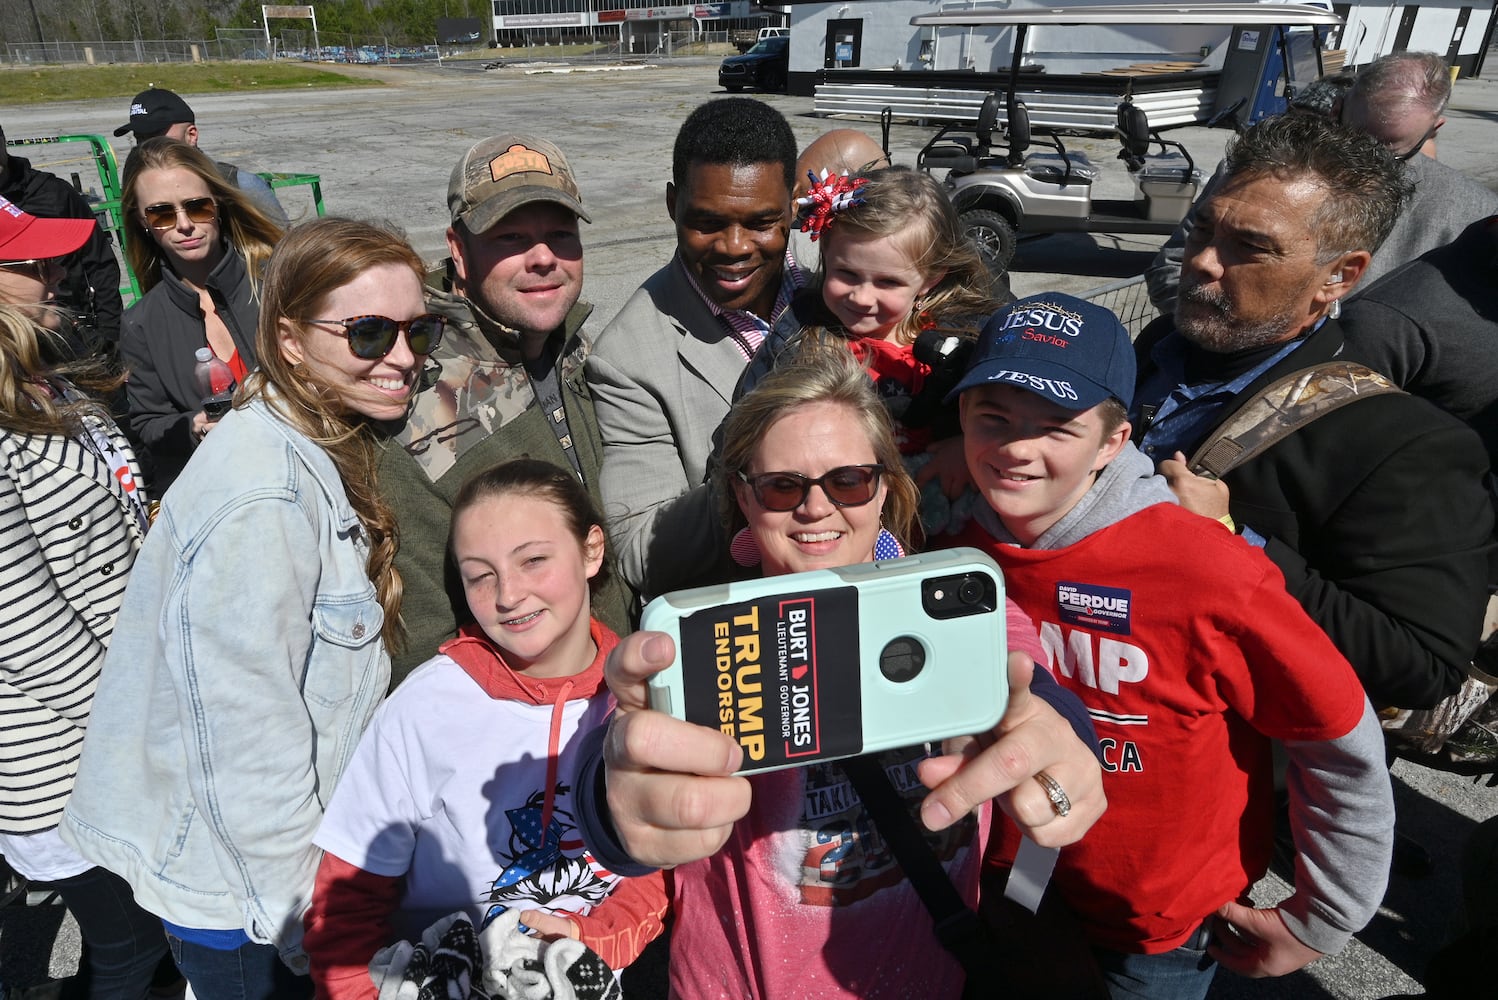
{"x": 402, "y": 21}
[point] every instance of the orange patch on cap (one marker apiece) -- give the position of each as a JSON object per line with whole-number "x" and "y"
{"x": 518, "y": 159}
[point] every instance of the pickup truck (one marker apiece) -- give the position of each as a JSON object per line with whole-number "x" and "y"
{"x": 745, "y": 39}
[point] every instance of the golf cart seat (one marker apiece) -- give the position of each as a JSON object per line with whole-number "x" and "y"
{"x": 1135, "y": 134}
{"x": 1058, "y": 167}
{"x": 963, "y": 153}
{"x": 1061, "y": 167}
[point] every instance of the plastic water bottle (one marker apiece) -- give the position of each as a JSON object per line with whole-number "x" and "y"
{"x": 215, "y": 383}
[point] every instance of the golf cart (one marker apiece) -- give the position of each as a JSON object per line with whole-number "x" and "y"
{"x": 1009, "y": 174}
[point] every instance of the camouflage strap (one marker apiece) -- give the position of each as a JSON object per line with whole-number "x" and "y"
{"x": 1282, "y": 408}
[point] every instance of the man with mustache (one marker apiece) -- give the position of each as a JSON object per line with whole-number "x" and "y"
{"x": 1399, "y": 99}
{"x": 1375, "y": 512}
{"x": 506, "y": 381}
{"x": 663, "y": 371}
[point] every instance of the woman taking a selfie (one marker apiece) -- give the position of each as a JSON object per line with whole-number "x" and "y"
{"x": 197, "y": 245}
{"x": 800, "y": 897}
{"x": 252, "y": 646}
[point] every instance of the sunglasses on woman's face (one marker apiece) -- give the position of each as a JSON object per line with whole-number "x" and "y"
{"x": 199, "y": 211}
{"x": 373, "y": 337}
{"x": 845, "y": 486}
{"x": 43, "y": 269}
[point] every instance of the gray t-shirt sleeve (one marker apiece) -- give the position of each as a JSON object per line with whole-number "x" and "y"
{"x": 264, "y": 197}
{"x": 1342, "y": 818}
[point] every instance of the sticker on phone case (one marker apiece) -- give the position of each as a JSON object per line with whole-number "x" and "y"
{"x": 780, "y": 675}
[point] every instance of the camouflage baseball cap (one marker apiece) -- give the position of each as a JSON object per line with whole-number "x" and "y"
{"x": 504, "y": 172}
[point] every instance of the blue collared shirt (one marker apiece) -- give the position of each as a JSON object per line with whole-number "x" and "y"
{"x": 1186, "y": 413}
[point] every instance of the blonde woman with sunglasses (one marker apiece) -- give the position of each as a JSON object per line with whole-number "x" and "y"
{"x": 72, "y": 518}
{"x": 197, "y": 246}
{"x": 252, "y": 645}
{"x": 783, "y": 883}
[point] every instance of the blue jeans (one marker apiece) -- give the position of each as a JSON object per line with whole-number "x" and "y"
{"x": 1183, "y": 974}
{"x": 249, "y": 972}
{"x": 122, "y": 943}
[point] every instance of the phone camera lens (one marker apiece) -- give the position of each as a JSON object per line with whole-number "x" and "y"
{"x": 970, "y": 591}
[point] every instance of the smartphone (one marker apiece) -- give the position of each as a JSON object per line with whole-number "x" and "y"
{"x": 839, "y": 662}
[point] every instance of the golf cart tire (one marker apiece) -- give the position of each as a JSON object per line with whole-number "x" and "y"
{"x": 992, "y": 234}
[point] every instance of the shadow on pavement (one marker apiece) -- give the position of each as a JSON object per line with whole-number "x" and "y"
{"x": 1098, "y": 254}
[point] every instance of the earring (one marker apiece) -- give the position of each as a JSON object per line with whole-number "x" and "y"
{"x": 1335, "y": 310}
{"x": 886, "y": 546}
{"x": 744, "y": 550}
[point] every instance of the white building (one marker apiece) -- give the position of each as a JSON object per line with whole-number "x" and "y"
{"x": 877, "y": 35}
{"x": 1461, "y": 31}
{"x": 638, "y": 25}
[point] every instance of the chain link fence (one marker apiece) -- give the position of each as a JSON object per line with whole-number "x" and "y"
{"x": 103, "y": 53}
{"x": 237, "y": 44}
{"x": 298, "y": 44}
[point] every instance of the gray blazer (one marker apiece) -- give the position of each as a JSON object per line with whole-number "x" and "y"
{"x": 662, "y": 375}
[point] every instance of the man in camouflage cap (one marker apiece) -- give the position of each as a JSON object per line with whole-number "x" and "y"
{"x": 505, "y": 382}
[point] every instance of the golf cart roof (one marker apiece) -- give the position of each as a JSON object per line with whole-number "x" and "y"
{"x": 1244, "y": 14}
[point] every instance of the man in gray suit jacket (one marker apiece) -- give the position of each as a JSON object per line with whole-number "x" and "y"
{"x": 662, "y": 373}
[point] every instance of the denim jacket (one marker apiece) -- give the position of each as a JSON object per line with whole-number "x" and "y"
{"x": 245, "y": 663}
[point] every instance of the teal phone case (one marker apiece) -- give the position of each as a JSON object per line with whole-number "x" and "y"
{"x": 839, "y": 662}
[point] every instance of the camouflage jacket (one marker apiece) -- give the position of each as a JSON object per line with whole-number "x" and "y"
{"x": 475, "y": 409}
{"x": 475, "y": 384}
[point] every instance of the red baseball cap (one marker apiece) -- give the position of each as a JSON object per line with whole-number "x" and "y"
{"x": 25, "y": 237}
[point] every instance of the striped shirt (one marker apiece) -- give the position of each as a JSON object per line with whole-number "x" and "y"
{"x": 68, "y": 537}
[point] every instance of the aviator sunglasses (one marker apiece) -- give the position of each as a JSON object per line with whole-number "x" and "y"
{"x": 372, "y": 337}
{"x": 199, "y": 211}
{"x": 40, "y": 268}
{"x": 845, "y": 486}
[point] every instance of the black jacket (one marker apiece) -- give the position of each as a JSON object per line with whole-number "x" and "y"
{"x": 1377, "y": 515}
{"x": 1432, "y": 326}
{"x": 160, "y": 336}
{"x": 92, "y": 286}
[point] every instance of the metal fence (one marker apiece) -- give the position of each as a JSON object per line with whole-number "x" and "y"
{"x": 1129, "y": 300}
{"x": 104, "y": 53}
{"x": 298, "y": 45}
{"x": 332, "y": 48}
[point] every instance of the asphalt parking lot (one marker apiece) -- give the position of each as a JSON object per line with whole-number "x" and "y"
{"x": 386, "y": 153}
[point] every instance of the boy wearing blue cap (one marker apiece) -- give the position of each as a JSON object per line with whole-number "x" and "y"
{"x": 1190, "y": 656}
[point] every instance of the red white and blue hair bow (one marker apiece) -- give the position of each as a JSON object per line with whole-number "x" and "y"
{"x": 827, "y": 196}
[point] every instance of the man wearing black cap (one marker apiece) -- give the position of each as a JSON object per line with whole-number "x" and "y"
{"x": 159, "y": 111}
{"x": 90, "y": 276}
